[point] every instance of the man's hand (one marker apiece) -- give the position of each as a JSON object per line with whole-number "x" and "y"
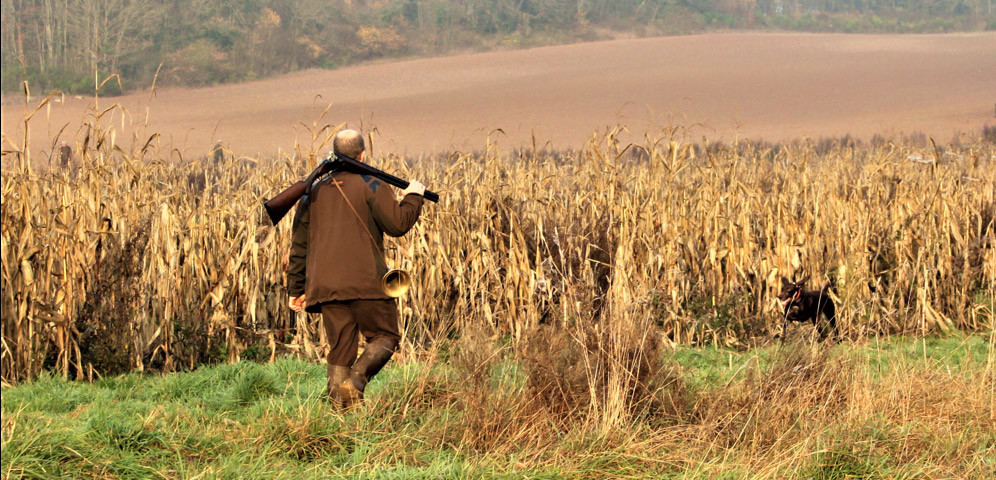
{"x": 415, "y": 187}
{"x": 297, "y": 303}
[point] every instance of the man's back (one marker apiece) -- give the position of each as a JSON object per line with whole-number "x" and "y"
{"x": 338, "y": 237}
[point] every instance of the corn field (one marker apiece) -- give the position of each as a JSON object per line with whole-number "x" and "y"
{"x": 132, "y": 258}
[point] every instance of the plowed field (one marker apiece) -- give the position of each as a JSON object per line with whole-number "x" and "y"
{"x": 774, "y": 86}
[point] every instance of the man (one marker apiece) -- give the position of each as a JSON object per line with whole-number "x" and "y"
{"x": 336, "y": 265}
{"x": 65, "y": 154}
{"x": 218, "y": 152}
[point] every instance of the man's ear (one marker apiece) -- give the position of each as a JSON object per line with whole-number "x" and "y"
{"x": 359, "y": 157}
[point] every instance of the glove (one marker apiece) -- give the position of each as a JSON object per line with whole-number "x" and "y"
{"x": 415, "y": 187}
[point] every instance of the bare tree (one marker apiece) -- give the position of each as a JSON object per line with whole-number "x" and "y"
{"x": 104, "y": 30}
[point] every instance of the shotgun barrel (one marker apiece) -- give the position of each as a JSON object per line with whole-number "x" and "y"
{"x": 350, "y": 165}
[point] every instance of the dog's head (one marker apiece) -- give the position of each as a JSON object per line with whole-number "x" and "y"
{"x": 791, "y": 291}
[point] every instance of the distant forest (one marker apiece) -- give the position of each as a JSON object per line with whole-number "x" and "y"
{"x": 65, "y": 44}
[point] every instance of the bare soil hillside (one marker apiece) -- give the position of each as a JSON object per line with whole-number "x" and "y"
{"x": 775, "y": 86}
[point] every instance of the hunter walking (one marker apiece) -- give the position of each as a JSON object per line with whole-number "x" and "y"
{"x": 337, "y": 262}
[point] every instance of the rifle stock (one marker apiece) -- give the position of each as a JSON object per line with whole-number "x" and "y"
{"x": 279, "y": 205}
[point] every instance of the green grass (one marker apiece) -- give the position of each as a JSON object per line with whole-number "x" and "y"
{"x": 950, "y": 354}
{"x": 251, "y": 420}
{"x": 710, "y": 365}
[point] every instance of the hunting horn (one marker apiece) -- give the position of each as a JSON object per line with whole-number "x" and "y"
{"x": 395, "y": 282}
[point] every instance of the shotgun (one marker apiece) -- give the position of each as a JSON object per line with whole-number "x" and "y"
{"x": 279, "y": 205}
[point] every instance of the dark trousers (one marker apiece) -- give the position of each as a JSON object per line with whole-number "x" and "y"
{"x": 343, "y": 321}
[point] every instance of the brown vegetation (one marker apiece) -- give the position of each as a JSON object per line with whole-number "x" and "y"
{"x": 129, "y": 261}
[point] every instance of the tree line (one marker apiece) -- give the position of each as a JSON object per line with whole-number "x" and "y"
{"x": 68, "y": 45}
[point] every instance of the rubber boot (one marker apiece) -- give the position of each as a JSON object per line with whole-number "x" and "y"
{"x": 374, "y": 357}
{"x": 337, "y": 375}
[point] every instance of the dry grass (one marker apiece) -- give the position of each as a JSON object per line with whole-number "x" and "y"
{"x": 138, "y": 259}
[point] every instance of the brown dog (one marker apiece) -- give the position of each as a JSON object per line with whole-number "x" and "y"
{"x": 800, "y": 305}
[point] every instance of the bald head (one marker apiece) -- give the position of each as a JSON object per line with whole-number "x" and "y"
{"x": 348, "y": 143}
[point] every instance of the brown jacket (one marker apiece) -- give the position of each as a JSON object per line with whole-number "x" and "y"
{"x": 332, "y": 258}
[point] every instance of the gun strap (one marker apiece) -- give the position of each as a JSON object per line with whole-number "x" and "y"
{"x": 363, "y": 224}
